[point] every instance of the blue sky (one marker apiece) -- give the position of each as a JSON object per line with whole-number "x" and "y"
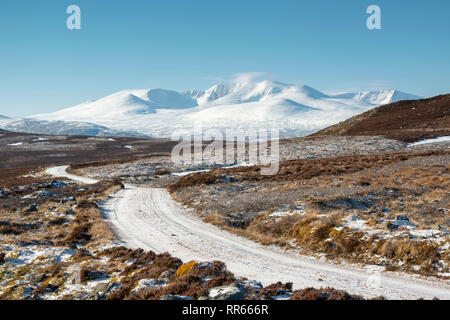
{"x": 180, "y": 44}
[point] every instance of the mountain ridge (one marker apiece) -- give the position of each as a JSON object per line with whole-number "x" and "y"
{"x": 292, "y": 109}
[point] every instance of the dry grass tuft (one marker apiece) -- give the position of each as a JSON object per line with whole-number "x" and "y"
{"x": 323, "y": 294}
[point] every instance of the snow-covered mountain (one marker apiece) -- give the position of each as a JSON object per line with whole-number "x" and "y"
{"x": 128, "y": 102}
{"x": 244, "y": 104}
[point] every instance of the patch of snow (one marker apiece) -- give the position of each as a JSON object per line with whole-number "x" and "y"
{"x": 185, "y": 173}
{"x": 40, "y": 139}
{"x": 427, "y": 233}
{"x": 252, "y": 284}
{"x": 436, "y": 140}
{"x": 284, "y": 213}
{"x": 149, "y": 284}
{"x": 352, "y": 222}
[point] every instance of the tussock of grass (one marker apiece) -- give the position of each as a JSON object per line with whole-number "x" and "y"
{"x": 324, "y": 294}
{"x": 186, "y": 268}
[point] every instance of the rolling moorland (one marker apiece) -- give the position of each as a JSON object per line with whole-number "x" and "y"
{"x": 360, "y": 194}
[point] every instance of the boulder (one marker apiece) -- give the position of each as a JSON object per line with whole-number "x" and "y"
{"x": 166, "y": 275}
{"x": 32, "y": 208}
{"x": 391, "y": 227}
{"x": 67, "y": 199}
{"x": 228, "y": 292}
{"x": 57, "y": 184}
{"x": 4, "y": 194}
{"x": 70, "y": 212}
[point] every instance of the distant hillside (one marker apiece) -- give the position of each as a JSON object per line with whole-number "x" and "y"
{"x": 408, "y": 120}
{"x": 63, "y": 128}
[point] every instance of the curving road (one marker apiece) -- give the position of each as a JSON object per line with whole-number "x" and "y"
{"x": 149, "y": 218}
{"x": 61, "y": 172}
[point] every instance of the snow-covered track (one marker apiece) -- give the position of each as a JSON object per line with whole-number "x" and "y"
{"x": 61, "y": 171}
{"x": 149, "y": 218}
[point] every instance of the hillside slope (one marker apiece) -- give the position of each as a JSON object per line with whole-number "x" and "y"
{"x": 63, "y": 127}
{"x": 408, "y": 120}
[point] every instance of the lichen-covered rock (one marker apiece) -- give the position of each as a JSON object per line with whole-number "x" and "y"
{"x": 185, "y": 268}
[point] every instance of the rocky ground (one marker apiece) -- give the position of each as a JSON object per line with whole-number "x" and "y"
{"x": 161, "y": 170}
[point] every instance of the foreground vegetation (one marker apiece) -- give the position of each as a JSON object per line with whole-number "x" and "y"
{"x": 389, "y": 210}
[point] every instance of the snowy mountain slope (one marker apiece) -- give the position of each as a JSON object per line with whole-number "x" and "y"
{"x": 243, "y": 92}
{"x": 62, "y": 127}
{"x": 3, "y": 117}
{"x": 294, "y": 110}
{"x": 276, "y": 109}
{"x": 127, "y": 102}
{"x": 377, "y": 97}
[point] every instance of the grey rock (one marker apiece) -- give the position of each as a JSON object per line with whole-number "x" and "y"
{"x": 175, "y": 297}
{"x": 166, "y": 275}
{"x": 392, "y": 227}
{"x": 45, "y": 194}
{"x": 32, "y": 208}
{"x": 70, "y": 212}
{"x": 67, "y": 199}
{"x": 57, "y": 184}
